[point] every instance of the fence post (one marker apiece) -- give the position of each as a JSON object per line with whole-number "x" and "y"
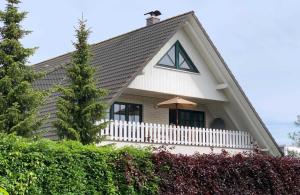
{"x": 172, "y": 133}
{"x": 129, "y": 131}
{"x": 198, "y": 135}
{"x": 138, "y": 129}
{"x": 167, "y": 134}
{"x": 146, "y": 132}
{"x": 190, "y": 135}
{"x": 133, "y": 131}
{"x": 142, "y": 132}
{"x": 125, "y": 131}
{"x": 158, "y": 133}
{"x": 163, "y": 136}
{"x": 193, "y": 136}
{"x": 120, "y": 130}
{"x": 116, "y": 129}
{"x": 151, "y": 133}
{"x": 178, "y": 134}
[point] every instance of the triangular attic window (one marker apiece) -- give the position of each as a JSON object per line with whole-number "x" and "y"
{"x": 177, "y": 58}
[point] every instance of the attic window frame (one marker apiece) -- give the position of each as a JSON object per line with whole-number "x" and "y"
{"x": 179, "y": 49}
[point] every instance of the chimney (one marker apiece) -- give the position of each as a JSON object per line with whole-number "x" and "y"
{"x": 153, "y": 18}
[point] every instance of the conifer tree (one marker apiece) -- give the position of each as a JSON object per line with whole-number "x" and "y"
{"x": 295, "y": 136}
{"x": 81, "y": 103}
{"x": 18, "y": 100}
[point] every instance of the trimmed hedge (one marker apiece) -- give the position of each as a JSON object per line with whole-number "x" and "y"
{"x": 47, "y": 167}
{"x": 224, "y": 174}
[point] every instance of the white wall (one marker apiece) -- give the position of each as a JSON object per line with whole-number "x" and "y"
{"x": 180, "y": 149}
{"x": 166, "y": 80}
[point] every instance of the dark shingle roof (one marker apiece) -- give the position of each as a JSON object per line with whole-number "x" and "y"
{"x": 117, "y": 61}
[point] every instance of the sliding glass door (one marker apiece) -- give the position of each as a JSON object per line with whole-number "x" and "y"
{"x": 189, "y": 118}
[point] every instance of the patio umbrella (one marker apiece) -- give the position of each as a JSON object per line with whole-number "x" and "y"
{"x": 176, "y": 103}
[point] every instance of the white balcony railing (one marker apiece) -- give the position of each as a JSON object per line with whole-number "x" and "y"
{"x": 169, "y": 134}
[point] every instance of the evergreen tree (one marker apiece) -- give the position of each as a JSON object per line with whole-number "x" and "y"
{"x": 81, "y": 104}
{"x": 295, "y": 136}
{"x": 18, "y": 100}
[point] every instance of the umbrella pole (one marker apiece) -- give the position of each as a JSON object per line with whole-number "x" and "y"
{"x": 176, "y": 115}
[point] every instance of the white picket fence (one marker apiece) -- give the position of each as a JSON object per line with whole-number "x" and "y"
{"x": 169, "y": 134}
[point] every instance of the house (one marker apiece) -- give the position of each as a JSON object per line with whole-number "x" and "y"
{"x": 290, "y": 150}
{"x": 162, "y": 60}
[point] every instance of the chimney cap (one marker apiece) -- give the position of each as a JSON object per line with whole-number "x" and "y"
{"x": 153, "y": 13}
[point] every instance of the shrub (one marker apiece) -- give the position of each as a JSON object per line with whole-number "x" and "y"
{"x": 67, "y": 167}
{"x": 224, "y": 174}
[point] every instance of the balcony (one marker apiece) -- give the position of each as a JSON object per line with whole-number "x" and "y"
{"x": 149, "y": 133}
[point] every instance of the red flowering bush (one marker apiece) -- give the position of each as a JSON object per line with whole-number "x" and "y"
{"x": 224, "y": 174}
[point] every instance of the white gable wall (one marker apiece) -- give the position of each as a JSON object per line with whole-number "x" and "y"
{"x": 171, "y": 81}
{"x": 200, "y": 85}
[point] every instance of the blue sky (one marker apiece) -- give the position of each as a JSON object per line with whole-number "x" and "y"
{"x": 259, "y": 40}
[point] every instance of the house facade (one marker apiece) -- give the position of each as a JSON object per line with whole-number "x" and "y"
{"x": 163, "y": 60}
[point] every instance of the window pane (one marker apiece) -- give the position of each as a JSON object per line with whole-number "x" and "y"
{"x": 116, "y": 107}
{"x": 185, "y": 65}
{"x": 134, "y": 112}
{"x": 119, "y": 112}
{"x": 166, "y": 61}
{"x": 116, "y": 110}
{"x": 122, "y": 112}
{"x": 169, "y": 58}
{"x": 181, "y": 59}
{"x": 137, "y": 118}
{"x": 171, "y": 54}
{"x": 172, "y": 117}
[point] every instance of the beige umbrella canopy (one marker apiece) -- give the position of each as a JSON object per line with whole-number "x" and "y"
{"x": 176, "y": 103}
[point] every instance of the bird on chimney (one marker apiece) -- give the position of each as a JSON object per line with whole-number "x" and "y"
{"x": 153, "y": 13}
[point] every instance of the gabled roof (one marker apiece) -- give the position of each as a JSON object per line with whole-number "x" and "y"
{"x": 117, "y": 60}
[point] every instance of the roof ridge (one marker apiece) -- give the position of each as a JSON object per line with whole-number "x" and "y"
{"x": 118, "y": 36}
{"x": 141, "y": 28}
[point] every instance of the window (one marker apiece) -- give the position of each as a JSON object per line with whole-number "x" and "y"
{"x": 188, "y": 118}
{"x": 177, "y": 58}
{"x": 126, "y": 112}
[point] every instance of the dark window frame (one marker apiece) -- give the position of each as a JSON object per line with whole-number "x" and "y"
{"x": 111, "y": 115}
{"x": 190, "y": 111}
{"x": 179, "y": 49}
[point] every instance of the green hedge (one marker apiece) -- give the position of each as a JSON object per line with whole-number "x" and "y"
{"x": 48, "y": 167}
